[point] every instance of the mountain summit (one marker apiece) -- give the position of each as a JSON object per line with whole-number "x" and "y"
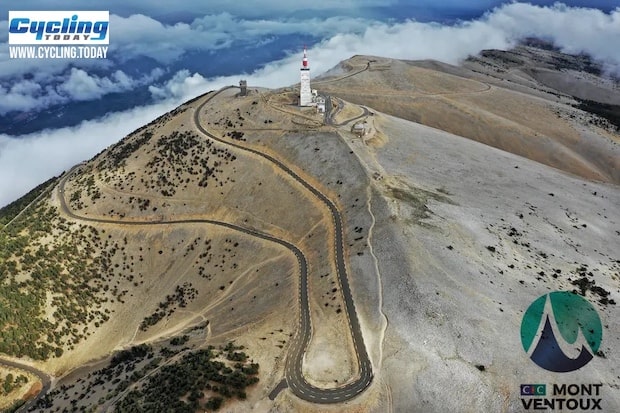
{"x": 241, "y": 251}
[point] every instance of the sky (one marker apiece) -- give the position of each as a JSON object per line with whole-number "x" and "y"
{"x": 172, "y": 51}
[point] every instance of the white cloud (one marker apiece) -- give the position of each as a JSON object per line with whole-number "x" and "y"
{"x": 182, "y": 85}
{"x": 598, "y": 33}
{"x": 82, "y": 86}
{"x": 185, "y": 85}
{"x": 574, "y": 29}
{"x": 140, "y": 35}
{"x": 76, "y": 85}
{"x": 245, "y": 29}
{"x": 29, "y": 160}
{"x": 143, "y": 35}
{"x": 23, "y": 96}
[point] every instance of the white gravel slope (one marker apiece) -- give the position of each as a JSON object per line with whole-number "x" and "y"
{"x": 452, "y": 304}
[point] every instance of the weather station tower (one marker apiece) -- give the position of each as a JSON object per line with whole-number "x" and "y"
{"x": 305, "y": 93}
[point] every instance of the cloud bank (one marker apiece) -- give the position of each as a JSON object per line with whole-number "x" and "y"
{"x": 138, "y": 36}
{"x": 27, "y": 161}
{"x": 574, "y": 30}
{"x": 73, "y": 86}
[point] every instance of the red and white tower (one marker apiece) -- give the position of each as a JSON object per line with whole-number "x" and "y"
{"x": 305, "y": 93}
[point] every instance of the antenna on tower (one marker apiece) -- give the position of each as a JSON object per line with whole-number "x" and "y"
{"x": 304, "y": 61}
{"x": 305, "y": 93}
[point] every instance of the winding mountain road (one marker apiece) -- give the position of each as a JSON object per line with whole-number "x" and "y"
{"x": 330, "y": 117}
{"x": 321, "y": 82}
{"x": 294, "y": 362}
{"x": 45, "y": 379}
{"x": 293, "y": 369}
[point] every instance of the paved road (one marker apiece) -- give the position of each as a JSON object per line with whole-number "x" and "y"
{"x": 320, "y": 82}
{"x": 329, "y": 117}
{"x": 293, "y": 370}
{"x": 301, "y": 259}
{"x": 45, "y": 381}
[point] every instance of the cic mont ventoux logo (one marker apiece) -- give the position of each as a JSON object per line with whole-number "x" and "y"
{"x": 561, "y": 331}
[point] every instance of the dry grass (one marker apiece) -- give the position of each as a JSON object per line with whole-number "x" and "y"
{"x": 232, "y": 278}
{"x": 523, "y": 122}
{"x": 348, "y": 112}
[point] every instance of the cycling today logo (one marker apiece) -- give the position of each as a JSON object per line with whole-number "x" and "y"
{"x": 561, "y": 332}
{"x": 58, "y": 34}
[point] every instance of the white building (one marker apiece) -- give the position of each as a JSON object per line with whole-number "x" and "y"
{"x": 319, "y": 101}
{"x": 305, "y": 93}
{"x": 360, "y": 129}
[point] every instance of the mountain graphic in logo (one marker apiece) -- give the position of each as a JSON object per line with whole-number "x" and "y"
{"x": 561, "y": 331}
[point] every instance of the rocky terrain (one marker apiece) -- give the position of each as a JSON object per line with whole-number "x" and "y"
{"x": 477, "y": 189}
{"x": 523, "y": 101}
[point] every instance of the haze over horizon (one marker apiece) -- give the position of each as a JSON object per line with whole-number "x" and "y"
{"x": 161, "y": 55}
